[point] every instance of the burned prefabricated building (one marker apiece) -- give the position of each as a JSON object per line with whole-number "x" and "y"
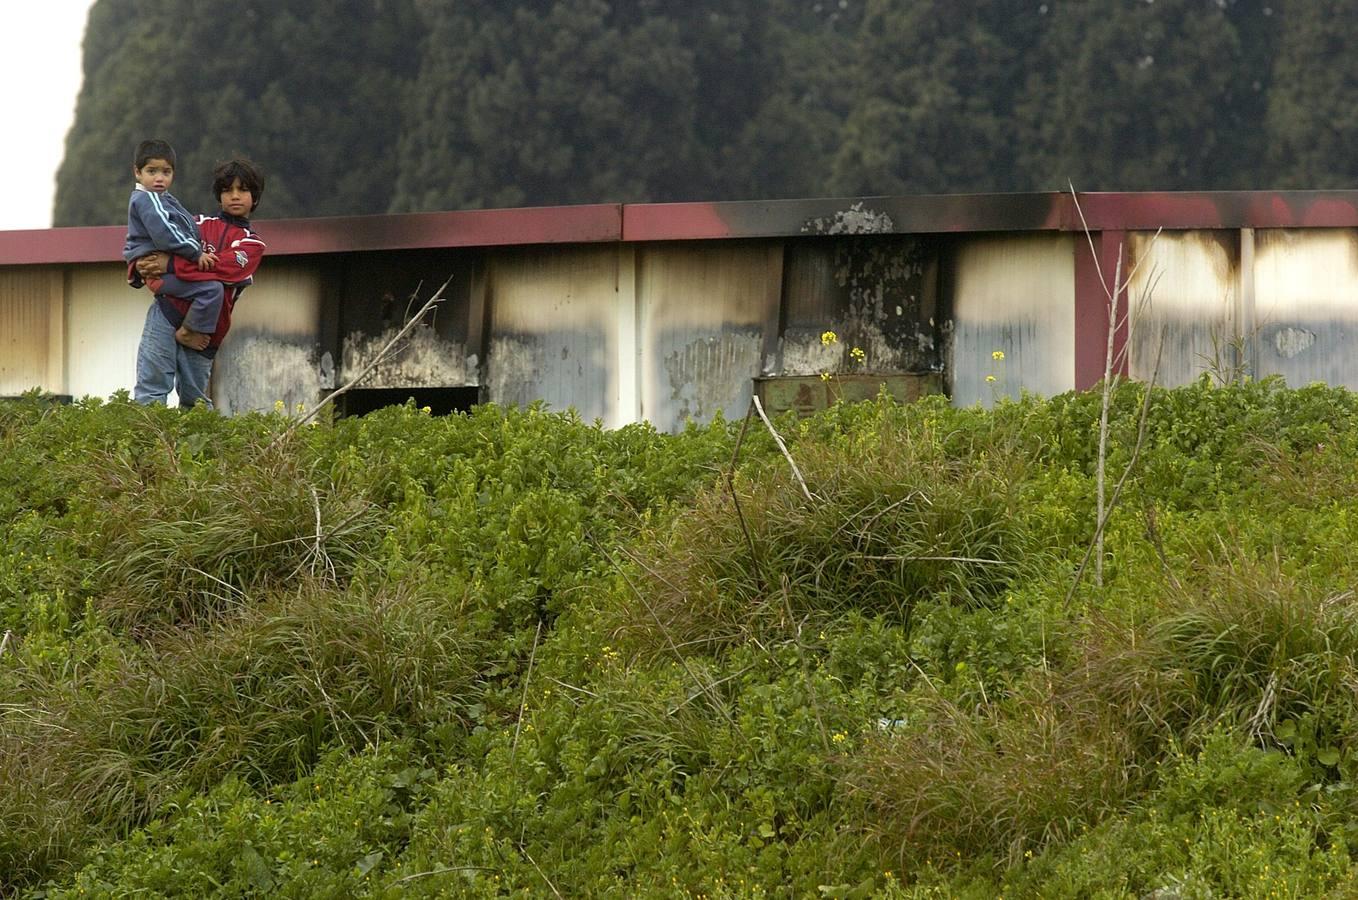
{"x": 671, "y": 312}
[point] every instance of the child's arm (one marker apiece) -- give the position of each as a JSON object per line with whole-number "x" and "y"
{"x": 232, "y": 264}
{"x": 164, "y": 232}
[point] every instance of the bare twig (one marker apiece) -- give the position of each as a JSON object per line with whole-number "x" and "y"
{"x": 444, "y": 871}
{"x": 1108, "y": 385}
{"x": 4, "y": 641}
{"x": 894, "y": 557}
{"x": 367, "y": 370}
{"x": 665, "y": 632}
{"x": 777, "y": 439}
{"x": 529, "y": 857}
{"x": 1131, "y": 464}
{"x": 696, "y": 694}
{"x": 523, "y": 702}
{"x": 735, "y": 498}
{"x": 571, "y": 687}
{"x": 1153, "y": 532}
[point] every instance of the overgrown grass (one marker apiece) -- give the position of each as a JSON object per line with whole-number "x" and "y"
{"x": 512, "y": 653}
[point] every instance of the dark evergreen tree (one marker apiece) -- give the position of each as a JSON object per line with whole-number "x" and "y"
{"x": 360, "y": 106}
{"x": 935, "y": 82}
{"x": 1134, "y": 97}
{"x": 565, "y": 102}
{"x": 312, "y": 89}
{"x": 786, "y": 148}
{"x": 1313, "y": 104}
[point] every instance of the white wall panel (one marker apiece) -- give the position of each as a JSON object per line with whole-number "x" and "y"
{"x": 1014, "y": 294}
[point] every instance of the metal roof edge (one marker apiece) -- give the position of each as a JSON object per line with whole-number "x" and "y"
{"x": 612, "y": 222}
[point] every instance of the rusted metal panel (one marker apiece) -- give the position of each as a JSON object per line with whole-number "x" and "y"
{"x": 877, "y": 295}
{"x": 1306, "y": 305}
{"x": 272, "y": 353}
{"x": 1012, "y": 295}
{"x": 625, "y": 399}
{"x": 31, "y": 331}
{"x": 554, "y": 329}
{"x": 1186, "y": 285}
{"x": 704, "y": 312}
{"x": 809, "y": 394}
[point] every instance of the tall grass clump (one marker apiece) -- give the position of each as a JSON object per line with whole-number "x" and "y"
{"x": 195, "y": 538}
{"x": 995, "y": 783}
{"x": 100, "y": 749}
{"x": 1248, "y": 646}
{"x": 896, "y": 515}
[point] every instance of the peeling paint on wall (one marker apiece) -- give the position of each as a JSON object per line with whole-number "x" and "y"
{"x": 710, "y": 374}
{"x": 876, "y": 295}
{"x": 513, "y": 370}
{"x": 423, "y": 360}
{"x": 1291, "y": 341}
{"x": 255, "y": 370}
{"x": 854, "y": 220}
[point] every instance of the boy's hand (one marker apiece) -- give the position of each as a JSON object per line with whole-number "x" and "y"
{"x": 207, "y": 261}
{"x": 153, "y": 265}
{"x": 194, "y": 340}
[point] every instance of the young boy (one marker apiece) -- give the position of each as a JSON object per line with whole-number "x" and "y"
{"x": 176, "y": 349}
{"x": 156, "y": 221}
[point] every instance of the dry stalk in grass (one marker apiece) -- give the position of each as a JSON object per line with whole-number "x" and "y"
{"x": 777, "y": 439}
{"x": 735, "y": 497}
{"x": 1111, "y": 365}
{"x": 367, "y": 370}
{"x": 523, "y": 702}
{"x": 1117, "y": 489}
{"x": 665, "y": 632}
{"x": 1108, "y": 385}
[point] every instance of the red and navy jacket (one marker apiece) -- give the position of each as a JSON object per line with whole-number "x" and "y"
{"x": 239, "y": 251}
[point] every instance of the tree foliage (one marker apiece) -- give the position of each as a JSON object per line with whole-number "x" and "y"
{"x": 370, "y": 106}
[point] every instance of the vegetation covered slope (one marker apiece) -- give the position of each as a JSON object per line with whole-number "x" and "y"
{"x": 513, "y": 653}
{"x": 373, "y": 106}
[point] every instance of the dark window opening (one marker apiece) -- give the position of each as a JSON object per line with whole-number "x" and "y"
{"x": 441, "y": 400}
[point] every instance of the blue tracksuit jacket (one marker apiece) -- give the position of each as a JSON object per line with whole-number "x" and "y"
{"x": 159, "y": 222}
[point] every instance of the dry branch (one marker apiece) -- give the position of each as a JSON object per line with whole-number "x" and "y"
{"x": 367, "y": 370}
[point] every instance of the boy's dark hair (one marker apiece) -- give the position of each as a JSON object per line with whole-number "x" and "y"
{"x": 251, "y": 178}
{"x": 153, "y": 149}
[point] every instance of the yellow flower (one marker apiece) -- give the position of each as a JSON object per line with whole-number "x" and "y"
{"x": 825, "y": 376}
{"x": 858, "y": 354}
{"x": 279, "y": 406}
{"x": 997, "y": 355}
{"x": 990, "y": 379}
{"x": 828, "y": 337}
{"x": 839, "y": 737}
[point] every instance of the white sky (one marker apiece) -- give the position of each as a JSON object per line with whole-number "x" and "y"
{"x": 40, "y": 67}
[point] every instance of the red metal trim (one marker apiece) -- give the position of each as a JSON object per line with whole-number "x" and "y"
{"x": 472, "y": 228}
{"x": 61, "y": 245}
{"x": 926, "y": 214}
{"x": 1091, "y": 307}
{"x": 1219, "y": 209}
{"x": 937, "y": 214}
{"x": 468, "y": 228}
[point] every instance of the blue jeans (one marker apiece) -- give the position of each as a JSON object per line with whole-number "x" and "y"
{"x": 164, "y": 364}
